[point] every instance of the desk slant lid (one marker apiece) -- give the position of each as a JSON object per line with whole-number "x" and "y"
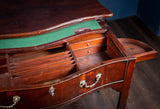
{"x": 28, "y": 17}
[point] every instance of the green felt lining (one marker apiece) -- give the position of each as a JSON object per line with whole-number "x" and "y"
{"x": 48, "y": 37}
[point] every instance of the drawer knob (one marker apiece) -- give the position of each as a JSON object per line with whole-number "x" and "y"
{"x": 16, "y": 99}
{"x": 83, "y": 83}
{"x": 51, "y": 90}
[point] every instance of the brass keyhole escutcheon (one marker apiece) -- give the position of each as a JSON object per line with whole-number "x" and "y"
{"x": 51, "y": 91}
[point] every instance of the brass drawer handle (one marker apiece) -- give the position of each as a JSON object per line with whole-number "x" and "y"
{"x": 16, "y": 99}
{"x": 83, "y": 83}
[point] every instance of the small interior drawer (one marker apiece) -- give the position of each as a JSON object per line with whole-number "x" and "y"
{"x": 89, "y": 51}
{"x": 88, "y": 43}
{"x": 138, "y": 49}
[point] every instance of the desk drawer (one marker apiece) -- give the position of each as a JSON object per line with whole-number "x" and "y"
{"x": 66, "y": 90}
{"x": 89, "y": 43}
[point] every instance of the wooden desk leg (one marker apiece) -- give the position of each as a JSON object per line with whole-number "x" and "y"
{"x": 124, "y": 91}
{"x": 123, "y": 99}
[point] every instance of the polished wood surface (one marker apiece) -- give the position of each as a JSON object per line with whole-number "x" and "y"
{"x": 33, "y": 72}
{"x": 144, "y": 91}
{"x": 105, "y": 58}
{"x": 138, "y": 49}
{"x": 56, "y": 72}
{"x": 27, "y": 18}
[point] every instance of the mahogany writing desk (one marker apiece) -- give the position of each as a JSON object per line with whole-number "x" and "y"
{"x": 54, "y": 52}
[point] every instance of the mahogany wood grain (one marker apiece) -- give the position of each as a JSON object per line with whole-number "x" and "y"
{"x": 138, "y": 49}
{"x": 112, "y": 50}
{"x": 89, "y": 51}
{"x": 92, "y": 59}
{"x": 3, "y": 69}
{"x": 45, "y": 75}
{"x": 3, "y": 64}
{"x": 3, "y": 60}
{"x": 87, "y": 43}
{"x": 124, "y": 91}
{"x": 40, "y": 61}
{"x": 41, "y": 65}
{"x": 64, "y": 94}
{"x": 87, "y": 37}
{"x": 73, "y": 55}
{"x": 115, "y": 41}
{"x": 5, "y": 80}
{"x": 33, "y": 80}
{"x": 146, "y": 56}
{"x": 40, "y": 55}
{"x": 27, "y": 18}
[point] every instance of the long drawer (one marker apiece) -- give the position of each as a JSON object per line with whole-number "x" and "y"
{"x": 70, "y": 89}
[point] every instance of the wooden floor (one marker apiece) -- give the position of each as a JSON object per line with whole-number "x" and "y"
{"x": 145, "y": 87}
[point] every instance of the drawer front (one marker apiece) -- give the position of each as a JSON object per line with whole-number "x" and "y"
{"x": 88, "y": 51}
{"x": 89, "y": 43}
{"x": 67, "y": 90}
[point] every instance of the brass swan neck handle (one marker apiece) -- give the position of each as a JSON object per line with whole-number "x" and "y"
{"x": 16, "y": 99}
{"x": 83, "y": 83}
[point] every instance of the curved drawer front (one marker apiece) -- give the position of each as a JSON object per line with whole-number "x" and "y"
{"x": 67, "y": 90}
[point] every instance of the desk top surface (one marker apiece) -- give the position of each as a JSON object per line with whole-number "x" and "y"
{"x": 23, "y": 18}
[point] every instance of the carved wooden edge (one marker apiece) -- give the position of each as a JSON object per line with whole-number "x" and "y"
{"x": 54, "y": 44}
{"x": 54, "y": 28}
{"x": 55, "y": 15}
